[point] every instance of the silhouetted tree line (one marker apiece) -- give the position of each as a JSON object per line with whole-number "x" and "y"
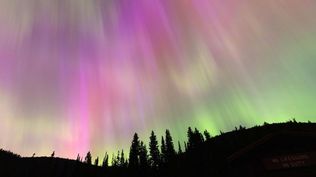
{"x": 200, "y": 154}
{"x": 156, "y": 156}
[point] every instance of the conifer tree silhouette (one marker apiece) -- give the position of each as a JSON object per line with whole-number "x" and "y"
{"x": 198, "y": 137}
{"x": 53, "y": 154}
{"x": 154, "y": 151}
{"x": 114, "y": 160}
{"x": 163, "y": 150}
{"x": 207, "y": 135}
{"x": 143, "y": 156}
{"x": 170, "y": 152}
{"x": 122, "y": 159}
{"x": 78, "y": 158}
{"x": 105, "y": 163}
{"x": 134, "y": 152}
{"x": 88, "y": 158}
{"x": 118, "y": 159}
{"x": 194, "y": 138}
{"x": 179, "y": 148}
{"x": 96, "y": 161}
{"x": 185, "y": 146}
{"x": 191, "y": 141}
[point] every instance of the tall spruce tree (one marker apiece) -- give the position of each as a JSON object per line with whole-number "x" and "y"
{"x": 185, "y": 146}
{"x": 191, "y": 141}
{"x": 113, "y": 162}
{"x": 96, "y": 161}
{"x": 170, "y": 152}
{"x": 134, "y": 152}
{"x": 198, "y": 137}
{"x": 122, "y": 159}
{"x": 163, "y": 150}
{"x": 194, "y": 138}
{"x": 179, "y": 148}
{"x": 105, "y": 163}
{"x": 154, "y": 151}
{"x": 143, "y": 156}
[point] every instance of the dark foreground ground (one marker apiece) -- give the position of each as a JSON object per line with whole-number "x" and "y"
{"x": 272, "y": 150}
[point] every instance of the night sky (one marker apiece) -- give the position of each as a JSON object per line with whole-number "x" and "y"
{"x": 79, "y": 75}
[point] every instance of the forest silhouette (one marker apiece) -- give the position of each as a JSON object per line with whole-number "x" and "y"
{"x": 201, "y": 155}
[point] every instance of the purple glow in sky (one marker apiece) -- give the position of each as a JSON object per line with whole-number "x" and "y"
{"x": 79, "y": 75}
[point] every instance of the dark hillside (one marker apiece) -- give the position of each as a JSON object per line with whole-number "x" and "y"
{"x": 215, "y": 156}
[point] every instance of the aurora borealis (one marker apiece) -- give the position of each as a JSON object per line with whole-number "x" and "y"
{"x": 79, "y": 75}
